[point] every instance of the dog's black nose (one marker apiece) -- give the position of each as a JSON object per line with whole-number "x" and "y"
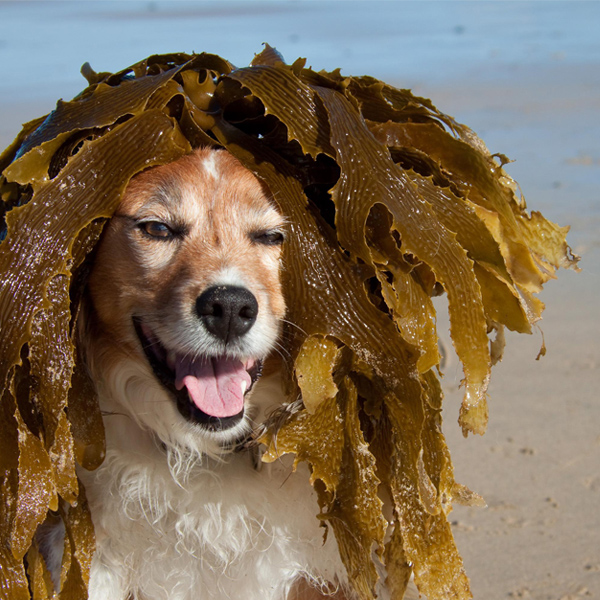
{"x": 227, "y": 311}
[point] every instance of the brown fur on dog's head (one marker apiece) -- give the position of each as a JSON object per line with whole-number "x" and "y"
{"x": 215, "y": 206}
{"x": 201, "y": 222}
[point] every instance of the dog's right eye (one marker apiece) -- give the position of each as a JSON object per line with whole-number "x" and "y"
{"x": 156, "y": 229}
{"x": 273, "y": 237}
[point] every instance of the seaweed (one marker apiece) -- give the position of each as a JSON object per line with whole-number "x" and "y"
{"x": 390, "y": 202}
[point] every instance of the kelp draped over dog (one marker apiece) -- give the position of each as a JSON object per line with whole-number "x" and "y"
{"x": 390, "y": 202}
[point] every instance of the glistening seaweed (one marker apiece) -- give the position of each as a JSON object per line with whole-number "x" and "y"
{"x": 390, "y": 202}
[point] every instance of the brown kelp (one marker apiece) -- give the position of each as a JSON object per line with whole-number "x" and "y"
{"x": 389, "y": 201}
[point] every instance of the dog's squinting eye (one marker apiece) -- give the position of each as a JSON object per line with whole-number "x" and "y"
{"x": 268, "y": 238}
{"x": 156, "y": 229}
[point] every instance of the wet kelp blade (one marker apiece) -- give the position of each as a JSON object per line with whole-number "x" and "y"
{"x": 381, "y": 362}
{"x": 389, "y": 203}
{"x": 39, "y": 250}
{"x": 441, "y": 216}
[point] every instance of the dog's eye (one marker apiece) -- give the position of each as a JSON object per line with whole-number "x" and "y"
{"x": 269, "y": 238}
{"x": 156, "y": 229}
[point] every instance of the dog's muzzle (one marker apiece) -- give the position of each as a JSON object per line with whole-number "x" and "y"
{"x": 208, "y": 390}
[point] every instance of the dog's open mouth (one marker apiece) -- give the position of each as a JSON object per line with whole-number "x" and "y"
{"x": 209, "y": 390}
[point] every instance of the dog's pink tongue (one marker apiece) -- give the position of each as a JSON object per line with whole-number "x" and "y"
{"x": 214, "y": 384}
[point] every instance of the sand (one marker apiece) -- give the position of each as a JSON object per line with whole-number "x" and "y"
{"x": 538, "y": 466}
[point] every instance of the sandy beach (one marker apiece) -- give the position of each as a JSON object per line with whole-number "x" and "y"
{"x": 538, "y": 465}
{"x": 527, "y": 80}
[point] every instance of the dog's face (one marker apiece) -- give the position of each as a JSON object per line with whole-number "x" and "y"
{"x": 186, "y": 289}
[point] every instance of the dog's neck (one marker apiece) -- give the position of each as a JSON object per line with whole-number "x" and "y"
{"x": 127, "y": 433}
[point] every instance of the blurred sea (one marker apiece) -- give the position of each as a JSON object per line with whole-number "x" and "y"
{"x": 43, "y": 43}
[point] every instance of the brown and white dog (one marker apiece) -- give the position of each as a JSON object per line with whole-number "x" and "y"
{"x": 184, "y": 304}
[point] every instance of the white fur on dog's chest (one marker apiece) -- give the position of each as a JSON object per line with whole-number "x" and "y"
{"x": 227, "y": 532}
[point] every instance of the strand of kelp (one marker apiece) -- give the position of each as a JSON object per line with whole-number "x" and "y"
{"x": 389, "y": 201}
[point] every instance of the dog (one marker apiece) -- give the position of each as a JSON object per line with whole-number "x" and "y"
{"x": 183, "y": 310}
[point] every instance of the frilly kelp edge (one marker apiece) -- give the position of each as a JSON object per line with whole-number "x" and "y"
{"x": 389, "y": 202}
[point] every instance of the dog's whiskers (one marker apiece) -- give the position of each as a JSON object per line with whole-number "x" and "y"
{"x": 114, "y": 413}
{"x": 281, "y": 350}
{"x": 292, "y": 324}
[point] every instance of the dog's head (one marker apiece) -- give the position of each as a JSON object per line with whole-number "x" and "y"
{"x": 185, "y": 296}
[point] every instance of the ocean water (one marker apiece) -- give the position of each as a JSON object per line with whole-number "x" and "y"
{"x": 44, "y": 43}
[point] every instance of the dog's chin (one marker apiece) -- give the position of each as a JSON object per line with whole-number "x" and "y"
{"x": 224, "y": 429}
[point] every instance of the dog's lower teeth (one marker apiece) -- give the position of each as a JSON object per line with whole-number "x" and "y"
{"x": 244, "y": 386}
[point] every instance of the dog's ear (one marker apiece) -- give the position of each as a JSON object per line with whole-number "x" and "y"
{"x": 84, "y": 252}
